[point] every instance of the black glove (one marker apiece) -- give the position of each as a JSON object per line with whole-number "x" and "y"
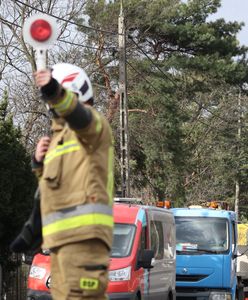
{"x": 30, "y": 237}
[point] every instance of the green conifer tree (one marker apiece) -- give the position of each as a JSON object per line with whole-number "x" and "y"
{"x": 17, "y": 186}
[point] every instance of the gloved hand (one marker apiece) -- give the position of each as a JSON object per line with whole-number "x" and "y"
{"x": 30, "y": 237}
{"x": 26, "y": 241}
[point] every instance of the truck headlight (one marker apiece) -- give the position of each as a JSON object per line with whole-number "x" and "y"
{"x": 120, "y": 274}
{"x": 220, "y": 296}
{"x": 37, "y": 272}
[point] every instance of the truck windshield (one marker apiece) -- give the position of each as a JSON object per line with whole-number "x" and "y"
{"x": 201, "y": 235}
{"x": 123, "y": 240}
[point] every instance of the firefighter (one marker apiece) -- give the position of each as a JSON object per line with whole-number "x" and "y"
{"x": 75, "y": 170}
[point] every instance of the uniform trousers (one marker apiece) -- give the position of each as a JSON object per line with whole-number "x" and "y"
{"x": 80, "y": 271}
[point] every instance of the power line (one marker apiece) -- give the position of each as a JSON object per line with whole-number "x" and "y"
{"x": 143, "y": 77}
{"x": 183, "y": 111}
{"x": 67, "y": 21}
{"x": 171, "y": 80}
{"x": 84, "y": 46}
{"x": 89, "y": 47}
{"x": 155, "y": 89}
{"x": 104, "y": 31}
{"x": 63, "y": 41}
{"x": 137, "y": 45}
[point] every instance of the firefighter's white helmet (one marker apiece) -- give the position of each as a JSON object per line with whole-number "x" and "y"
{"x": 74, "y": 79}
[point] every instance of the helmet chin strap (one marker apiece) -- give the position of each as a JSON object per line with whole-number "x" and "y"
{"x": 54, "y": 114}
{"x": 52, "y": 111}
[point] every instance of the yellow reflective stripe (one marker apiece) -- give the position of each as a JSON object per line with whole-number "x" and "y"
{"x": 63, "y": 105}
{"x": 71, "y": 149}
{"x": 89, "y": 283}
{"x": 110, "y": 182}
{"x": 67, "y": 147}
{"x": 98, "y": 123}
{"x": 78, "y": 221}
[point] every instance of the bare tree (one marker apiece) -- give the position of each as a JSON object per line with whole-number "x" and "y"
{"x": 17, "y": 61}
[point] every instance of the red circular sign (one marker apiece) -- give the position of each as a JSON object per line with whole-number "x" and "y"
{"x": 40, "y": 30}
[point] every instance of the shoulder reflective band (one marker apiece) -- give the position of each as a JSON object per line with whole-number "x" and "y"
{"x": 89, "y": 283}
{"x": 67, "y": 147}
{"x": 77, "y": 216}
{"x": 98, "y": 122}
{"x": 65, "y": 103}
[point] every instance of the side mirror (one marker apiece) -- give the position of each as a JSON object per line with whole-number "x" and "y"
{"x": 145, "y": 259}
{"x": 27, "y": 259}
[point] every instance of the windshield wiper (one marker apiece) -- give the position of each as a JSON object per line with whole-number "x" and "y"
{"x": 197, "y": 251}
{"x": 207, "y": 250}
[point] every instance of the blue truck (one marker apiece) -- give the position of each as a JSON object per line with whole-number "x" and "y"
{"x": 206, "y": 262}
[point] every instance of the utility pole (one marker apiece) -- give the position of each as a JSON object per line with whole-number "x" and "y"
{"x": 237, "y": 183}
{"x": 124, "y": 136}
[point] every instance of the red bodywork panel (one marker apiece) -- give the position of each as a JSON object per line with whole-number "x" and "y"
{"x": 42, "y": 261}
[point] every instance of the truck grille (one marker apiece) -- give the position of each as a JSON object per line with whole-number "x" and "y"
{"x": 190, "y": 278}
{"x": 190, "y": 293}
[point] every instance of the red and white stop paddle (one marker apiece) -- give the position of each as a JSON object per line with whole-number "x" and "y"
{"x": 40, "y": 31}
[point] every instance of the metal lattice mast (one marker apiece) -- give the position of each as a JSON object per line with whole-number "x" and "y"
{"x": 237, "y": 181}
{"x": 124, "y": 136}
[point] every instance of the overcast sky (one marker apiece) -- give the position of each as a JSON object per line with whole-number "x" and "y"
{"x": 235, "y": 10}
